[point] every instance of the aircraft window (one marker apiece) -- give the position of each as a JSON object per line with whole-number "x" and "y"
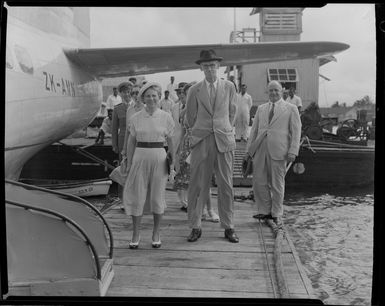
{"x": 282, "y": 75}
{"x": 24, "y": 59}
{"x": 9, "y": 59}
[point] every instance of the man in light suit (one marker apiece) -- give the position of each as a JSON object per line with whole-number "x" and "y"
{"x": 210, "y": 112}
{"x": 274, "y": 141}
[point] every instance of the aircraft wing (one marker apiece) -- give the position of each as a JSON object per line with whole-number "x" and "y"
{"x": 115, "y": 62}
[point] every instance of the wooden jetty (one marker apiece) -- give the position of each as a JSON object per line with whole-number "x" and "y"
{"x": 210, "y": 267}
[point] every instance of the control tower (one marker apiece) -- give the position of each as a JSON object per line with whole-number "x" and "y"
{"x": 278, "y": 24}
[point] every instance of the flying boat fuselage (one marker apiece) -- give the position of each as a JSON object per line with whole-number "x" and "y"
{"x": 47, "y": 96}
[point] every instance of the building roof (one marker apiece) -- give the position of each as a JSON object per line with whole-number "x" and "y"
{"x": 257, "y": 10}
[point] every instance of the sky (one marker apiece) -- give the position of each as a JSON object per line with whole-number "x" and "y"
{"x": 352, "y": 76}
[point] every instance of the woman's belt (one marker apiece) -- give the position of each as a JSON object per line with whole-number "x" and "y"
{"x": 150, "y": 144}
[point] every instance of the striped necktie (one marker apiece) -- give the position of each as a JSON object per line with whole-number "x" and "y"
{"x": 271, "y": 114}
{"x": 212, "y": 94}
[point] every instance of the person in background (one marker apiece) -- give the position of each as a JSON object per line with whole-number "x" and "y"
{"x": 118, "y": 129}
{"x": 113, "y": 99}
{"x": 210, "y": 112}
{"x": 143, "y": 83}
{"x": 171, "y": 89}
{"x": 242, "y": 116}
{"x": 146, "y": 163}
{"x": 273, "y": 143}
{"x": 294, "y": 99}
{"x": 105, "y": 128}
{"x": 132, "y": 80}
{"x": 131, "y": 110}
{"x": 166, "y": 103}
{"x": 232, "y": 80}
{"x": 103, "y": 112}
{"x": 285, "y": 94}
{"x": 175, "y": 113}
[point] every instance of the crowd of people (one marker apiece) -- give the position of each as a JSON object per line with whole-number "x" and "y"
{"x": 188, "y": 137}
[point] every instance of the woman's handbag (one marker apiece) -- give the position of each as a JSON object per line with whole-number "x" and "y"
{"x": 120, "y": 173}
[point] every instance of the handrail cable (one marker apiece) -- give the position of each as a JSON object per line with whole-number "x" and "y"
{"x": 73, "y": 223}
{"x": 338, "y": 144}
{"x": 89, "y": 155}
{"x": 267, "y": 259}
{"x": 73, "y": 197}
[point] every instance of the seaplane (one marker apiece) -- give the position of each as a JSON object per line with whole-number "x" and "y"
{"x": 58, "y": 244}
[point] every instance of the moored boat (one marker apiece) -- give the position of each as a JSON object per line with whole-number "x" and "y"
{"x": 81, "y": 188}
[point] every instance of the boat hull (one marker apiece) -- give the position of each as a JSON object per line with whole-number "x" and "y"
{"x": 325, "y": 168}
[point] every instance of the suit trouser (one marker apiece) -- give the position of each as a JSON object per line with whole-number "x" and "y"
{"x": 268, "y": 182}
{"x": 205, "y": 158}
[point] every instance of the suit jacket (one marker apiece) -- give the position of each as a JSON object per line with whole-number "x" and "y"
{"x": 203, "y": 119}
{"x": 282, "y": 134}
{"x": 118, "y": 129}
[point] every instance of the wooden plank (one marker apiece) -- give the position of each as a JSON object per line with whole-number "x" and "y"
{"x": 150, "y": 292}
{"x": 191, "y": 279}
{"x": 188, "y": 259}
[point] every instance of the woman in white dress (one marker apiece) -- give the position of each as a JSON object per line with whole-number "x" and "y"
{"x": 146, "y": 162}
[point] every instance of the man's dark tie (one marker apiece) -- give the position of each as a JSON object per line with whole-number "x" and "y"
{"x": 212, "y": 94}
{"x": 271, "y": 114}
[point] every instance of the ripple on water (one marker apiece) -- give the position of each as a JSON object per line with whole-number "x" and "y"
{"x": 333, "y": 235}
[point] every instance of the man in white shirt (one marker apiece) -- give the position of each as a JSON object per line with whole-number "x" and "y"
{"x": 294, "y": 99}
{"x": 171, "y": 89}
{"x": 166, "y": 103}
{"x": 113, "y": 99}
{"x": 242, "y": 116}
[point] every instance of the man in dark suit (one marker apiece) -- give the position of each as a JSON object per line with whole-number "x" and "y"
{"x": 210, "y": 112}
{"x": 118, "y": 129}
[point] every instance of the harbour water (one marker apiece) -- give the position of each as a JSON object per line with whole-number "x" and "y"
{"x": 333, "y": 235}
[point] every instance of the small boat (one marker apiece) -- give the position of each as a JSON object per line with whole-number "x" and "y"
{"x": 80, "y": 188}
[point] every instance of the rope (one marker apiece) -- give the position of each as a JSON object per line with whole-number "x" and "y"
{"x": 279, "y": 269}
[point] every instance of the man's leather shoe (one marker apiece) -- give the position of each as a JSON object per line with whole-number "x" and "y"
{"x": 278, "y": 221}
{"x": 194, "y": 235}
{"x": 230, "y": 235}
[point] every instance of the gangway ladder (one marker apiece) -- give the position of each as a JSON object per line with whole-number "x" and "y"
{"x": 35, "y": 219}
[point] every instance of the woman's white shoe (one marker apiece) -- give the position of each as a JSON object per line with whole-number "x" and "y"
{"x": 156, "y": 244}
{"x": 134, "y": 245}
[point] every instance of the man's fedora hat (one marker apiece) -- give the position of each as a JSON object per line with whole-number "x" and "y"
{"x": 207, "y": 56}
{"x": 180, "y": 86}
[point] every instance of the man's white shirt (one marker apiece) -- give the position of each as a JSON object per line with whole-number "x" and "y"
{"x": 208, "y": 86}
{"x": 295, "y": 100}
{"x": 166, "y": 105}
{"x": 172, "y": 93}
{"x": 112, "y": 101}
